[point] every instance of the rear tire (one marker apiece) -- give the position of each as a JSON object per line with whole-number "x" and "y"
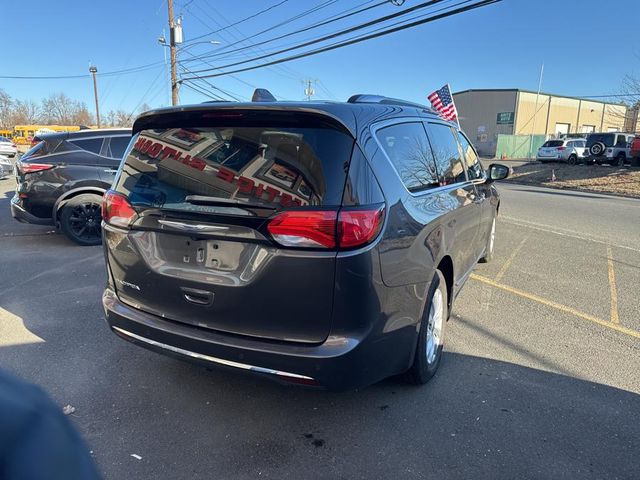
{"x": 81, "y": 218}
{"x": 573, "y": 160}
{"x": 620, "y": 160}
{"x": 430, "y": 338}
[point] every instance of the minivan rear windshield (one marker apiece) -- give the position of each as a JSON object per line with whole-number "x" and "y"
{"x": 553, "y": 143}
{"x": 272, "y": 166}
{"x": 606, "y": 138}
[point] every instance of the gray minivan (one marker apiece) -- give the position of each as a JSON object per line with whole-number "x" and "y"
{"x": 319, "y": 243}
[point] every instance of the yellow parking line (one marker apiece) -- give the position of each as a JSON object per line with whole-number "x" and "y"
{"x": 530, "y": 296}
{"x": 612, "y": 285}
{"x": 507, "y": 264}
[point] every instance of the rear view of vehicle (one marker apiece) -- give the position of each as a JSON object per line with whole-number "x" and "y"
{"x": 7, "y": 147}
{"x": 568, "y": 150}
{"x": 635, "y": 152}
{"x": 610, "y": 148}
{"x": 222, "y": 238}
{"x": 60, "y": 181}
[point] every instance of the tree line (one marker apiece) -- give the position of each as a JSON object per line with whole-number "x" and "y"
{"x": 58, "y": 109}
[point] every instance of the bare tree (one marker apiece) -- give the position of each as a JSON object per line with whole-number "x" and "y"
{"x": 145, "y": 107}
{"x": 6, "y": 109}
{"x": 26, "y": 112}
{"x": 58, "y": 108}
{"x": 81, "y": 114}
{"x": 123, "y": 119}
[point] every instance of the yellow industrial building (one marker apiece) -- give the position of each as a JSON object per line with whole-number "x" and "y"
{"x": 486, "y": 113}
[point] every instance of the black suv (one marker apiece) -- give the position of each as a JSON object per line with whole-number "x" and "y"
{"x": 320, "y": 243}
{"x": 60, "y": 181}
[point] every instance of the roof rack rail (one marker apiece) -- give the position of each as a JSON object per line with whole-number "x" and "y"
{"x": 367, "y": 98}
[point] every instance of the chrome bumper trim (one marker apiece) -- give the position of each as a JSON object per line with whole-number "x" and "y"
{"x": 209, "y": 358}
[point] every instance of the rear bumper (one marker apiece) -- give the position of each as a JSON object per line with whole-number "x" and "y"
{"x": 21, "y": 215}
{"x": 339, "y": 363}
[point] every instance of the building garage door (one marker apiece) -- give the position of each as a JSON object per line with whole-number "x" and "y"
{"x": 562, "y": 128}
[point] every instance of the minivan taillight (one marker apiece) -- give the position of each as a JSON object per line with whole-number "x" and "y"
{"x": 359, "y": 227}
{"x": 304, "y": 228}
{"x": 34, "y": 167}
{"x": 349, "y": 228}
{"x": 116, "y": 209}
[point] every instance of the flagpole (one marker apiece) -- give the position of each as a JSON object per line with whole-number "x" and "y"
{"x": 454, "y": 106}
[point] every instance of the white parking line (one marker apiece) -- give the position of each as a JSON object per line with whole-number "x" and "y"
{"x": 563, "y": 232}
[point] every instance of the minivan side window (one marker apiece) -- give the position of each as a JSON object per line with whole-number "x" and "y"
{"x": 92, "y": 145}
{"x": 474, "y": 167}
{"x": 407, "y": 147}
{"x": 447, "y": 154}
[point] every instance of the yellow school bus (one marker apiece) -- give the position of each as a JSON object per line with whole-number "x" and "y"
{"x": 6, "y": 132}
{"x": 23, "y": 134}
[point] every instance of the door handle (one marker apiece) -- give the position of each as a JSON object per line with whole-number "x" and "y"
{"x": 198, "y": 297}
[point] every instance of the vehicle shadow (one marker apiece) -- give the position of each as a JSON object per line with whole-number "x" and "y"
{"x": 477, "y": 418}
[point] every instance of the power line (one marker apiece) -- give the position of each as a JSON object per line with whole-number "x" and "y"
{"x": 229, "y": 94}
{"x": 285, "y": 22}
{"x": 335, "y": 34}
{"x": 341, "y": 15}
{"x": 363, "y": 38}
{"x": 238, "y": 22}
{"x": 137, "y": 69}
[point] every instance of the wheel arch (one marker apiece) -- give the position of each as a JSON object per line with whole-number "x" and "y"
{"x": 446, "y": 267}
{"x": 60, "y": 203}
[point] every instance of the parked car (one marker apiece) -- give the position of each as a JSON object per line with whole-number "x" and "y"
{"x": 319, "y": 243}
{"x": 613, "y": 148}
{"x": 635, "y": 152}
{"x": 60, "y": 181}
{"x": 6, "y": 167}
{"x": 7, "y": 147}
{"x": 570, "y": 150}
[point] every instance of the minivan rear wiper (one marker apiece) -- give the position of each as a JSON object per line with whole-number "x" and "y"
{"x": 223, "y": 202}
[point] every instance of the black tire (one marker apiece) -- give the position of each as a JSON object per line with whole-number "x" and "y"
{"x": 573, "y": 159}
{"x": 491, "y": 244}
{"x": 424, "y": 368}
{"x": 620, "y": 159}
{"x": 635, "y": 162}
{"x": 597, "y": 149}
{"x": 80, "y": 219}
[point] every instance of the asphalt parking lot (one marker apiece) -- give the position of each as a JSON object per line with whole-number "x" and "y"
{"x": 539, "y": 379}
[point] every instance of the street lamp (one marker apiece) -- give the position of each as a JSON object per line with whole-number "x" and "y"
{"x": 93, "y": 70}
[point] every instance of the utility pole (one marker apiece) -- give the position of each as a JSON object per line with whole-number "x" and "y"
{"x": 309, "y": 90}
{"x": 535, "y": 113}
{"x": 173, "y": 55}
{"x": 93, "y": 71}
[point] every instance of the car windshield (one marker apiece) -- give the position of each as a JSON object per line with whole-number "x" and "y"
{"x": 607, "y": 138}
{"x": 553, "y": 143}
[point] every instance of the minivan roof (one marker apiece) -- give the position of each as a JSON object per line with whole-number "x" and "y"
{"x": 348, "y": 115}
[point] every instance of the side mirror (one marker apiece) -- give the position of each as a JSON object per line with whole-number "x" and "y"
{"x": 498, "y": 172}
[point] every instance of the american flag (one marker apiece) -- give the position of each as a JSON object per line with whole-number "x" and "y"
{"x": 442, "y": 101}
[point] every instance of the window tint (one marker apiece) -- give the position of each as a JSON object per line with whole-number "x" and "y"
{"x": 606, "y": 138}
{"x": 474, "y": 167}
{"x": 571, "y": 144}
{"x": 447, "y": 154}
{"x": 117, "y": 146}
{"x": 274, "y": 166}
{"x": 90, "y": 144}
{"x": 553, "y": 143}
{"x": 407, "y": 147}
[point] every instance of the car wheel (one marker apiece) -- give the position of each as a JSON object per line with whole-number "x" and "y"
{"x": 620, "y": 160}
{"x": 597, "y": 148}
{"x": 491, "y": 244}
{"x": 80, "y": 219}
{"x": 430, "y": 338}
{"x": 573, "y": 159}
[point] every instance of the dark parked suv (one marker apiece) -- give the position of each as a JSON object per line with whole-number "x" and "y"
{"x": 320, "y": 243}
{"x": 60, "y": 181}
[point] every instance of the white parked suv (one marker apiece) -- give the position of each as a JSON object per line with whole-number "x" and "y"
{"x": 570, "y": 150}
{"x": 613, "y": 148}
{"x": 7, "y": 147}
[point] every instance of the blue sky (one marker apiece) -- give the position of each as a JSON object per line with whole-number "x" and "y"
{"x": 500, "y": 46}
